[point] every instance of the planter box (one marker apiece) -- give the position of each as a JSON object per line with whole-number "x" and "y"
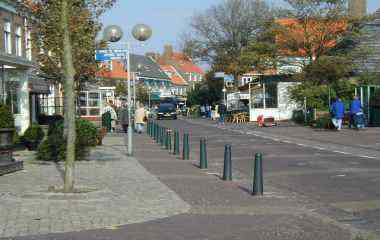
{"x": 6, "y": 137}
{"x": 9, "y": 167}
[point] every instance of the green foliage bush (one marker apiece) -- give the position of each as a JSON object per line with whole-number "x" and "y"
{"x": 298, "y": 117}
{"x": 34, "y": 133}
{"x": 195, "y": 111}
{"x": 323, "y": 122}
{"x": 54, "y": 147}
{"x": 6, "y": 117}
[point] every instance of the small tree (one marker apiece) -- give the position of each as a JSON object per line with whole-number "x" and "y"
{"x": 65, "y": 32}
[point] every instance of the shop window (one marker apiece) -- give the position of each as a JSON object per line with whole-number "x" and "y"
{"x": 50, "y": 105}
{"x": 91, "y": 104}
{"x": 271, "y": 96}
{"x": 12, "y": 99}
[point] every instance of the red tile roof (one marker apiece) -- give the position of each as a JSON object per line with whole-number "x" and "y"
{"x": 175, "y": 78}
{"x": 189, "y": 67}
{"x": 117, "y": 72}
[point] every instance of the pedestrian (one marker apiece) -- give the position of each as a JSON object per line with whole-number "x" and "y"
{"x": 356, "y": 113}
{"x": 208, "y": 111}
{"x": 337, "y": 113}
{"x": 203, "y": 111}
{"x": 123, "y": 117}
{"x": 222, "y": 109}
{"x": 113, "y": 116}
{"x": 140, "y": 116}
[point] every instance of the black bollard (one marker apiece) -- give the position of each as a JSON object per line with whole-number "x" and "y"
{"x": 227, "y": 169}
{"x": 203, "y": 154}
{"x": 186, "y": 147}
{"x": 158, "y": 134}
{"x": 170, "y": 140}
{"x": 176, "y": 143}
{"x": 167, "y": 139}
{"x": 258, "y": 183}
{"x": 162, "y": 140}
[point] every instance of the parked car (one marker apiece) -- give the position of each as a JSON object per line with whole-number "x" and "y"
{"x": 166, "y": 111}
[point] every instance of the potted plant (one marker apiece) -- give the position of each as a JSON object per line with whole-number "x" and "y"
{"x": 7, "y": 127}
{"x": 33, "y": 136}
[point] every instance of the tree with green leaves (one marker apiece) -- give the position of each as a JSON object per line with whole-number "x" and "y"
{"x": 220, "y": 33}
{"x": 64, "y": 36}
{"x": 209, "y": 91}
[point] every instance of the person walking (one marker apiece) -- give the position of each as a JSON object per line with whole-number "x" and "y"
{"x": 222, "y": 109}
{"x": 123, "y": 117}
{"x": 203, "y": 111}
{"x": 112, "y": 115}
{"x": 140, "y": 116}
{"x": 356, "y": 113}
{"x": 337, "y": 112}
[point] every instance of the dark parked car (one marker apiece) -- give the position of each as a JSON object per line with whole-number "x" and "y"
{"x": 166, "y": 111}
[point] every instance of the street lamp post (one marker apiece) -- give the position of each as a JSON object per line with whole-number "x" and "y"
{"x": 149, "y": 92}
{"x": 140, "y": 32}
{"x": 224, "y": 90}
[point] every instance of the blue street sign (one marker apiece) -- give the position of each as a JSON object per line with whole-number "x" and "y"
{"x": 110, "y": 54}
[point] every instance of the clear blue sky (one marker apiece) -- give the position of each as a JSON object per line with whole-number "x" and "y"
{"x": 167, "y": 18}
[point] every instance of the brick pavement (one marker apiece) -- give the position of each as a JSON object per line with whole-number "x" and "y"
{"x": 121, "y": 192}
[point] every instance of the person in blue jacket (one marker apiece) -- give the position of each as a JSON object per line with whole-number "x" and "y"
{"x": 337, "y": 112}
{"x": 356, "y": 113}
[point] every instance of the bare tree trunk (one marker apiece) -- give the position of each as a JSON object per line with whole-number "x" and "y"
{"x": 69, "y": 73}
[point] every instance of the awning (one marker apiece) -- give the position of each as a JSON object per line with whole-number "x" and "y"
{"x": 38, "y": 85}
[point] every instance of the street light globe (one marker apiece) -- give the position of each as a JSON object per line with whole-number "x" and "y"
{"x": 141, "y": 32}
{"x": 224, "y": 90}
{"x": 112, "y": 33}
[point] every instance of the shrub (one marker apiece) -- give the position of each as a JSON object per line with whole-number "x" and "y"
{"x": 6, "y": 117}
{"x": 54, "y": 147}
{"x": 323, "y": 122}
{"x": 34, "y": 133}
{"x": 298, "y": 117}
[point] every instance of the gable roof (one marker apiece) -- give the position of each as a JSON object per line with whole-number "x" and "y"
{"x": 174, "y": 76}
{"x": 190, "y": 67}
{"x": 149, "y": 69}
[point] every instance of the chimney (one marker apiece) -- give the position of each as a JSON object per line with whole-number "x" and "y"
{"x": 357, "y": 8}
{"x": 168, "y": 51}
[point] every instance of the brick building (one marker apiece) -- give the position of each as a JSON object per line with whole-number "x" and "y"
{"x": 19, "y": 88}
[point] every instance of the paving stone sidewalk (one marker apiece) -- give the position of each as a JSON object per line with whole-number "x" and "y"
{"x": 121, "y": 192}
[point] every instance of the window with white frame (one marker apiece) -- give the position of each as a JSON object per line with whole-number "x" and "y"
{"x": 28, "y": 41}
{"x": 89, "y": 103}
{"x": 18, "y": 41}
{"x": 246, "y": 80}
{"x": 7, "y": 37}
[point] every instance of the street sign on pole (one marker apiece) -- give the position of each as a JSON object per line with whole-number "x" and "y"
{"x": 110, "y": 54}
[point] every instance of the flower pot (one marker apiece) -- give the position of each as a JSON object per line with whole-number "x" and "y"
{"x": 6, "y": 138}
